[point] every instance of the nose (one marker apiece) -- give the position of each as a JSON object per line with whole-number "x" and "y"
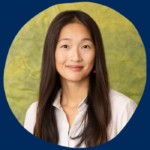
{"x": 75, "y": 55}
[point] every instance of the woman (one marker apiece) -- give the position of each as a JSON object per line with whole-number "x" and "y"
{"x": 76, "y": 107}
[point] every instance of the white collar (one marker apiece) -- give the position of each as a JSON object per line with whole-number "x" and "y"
{"x": 57, "y": 104}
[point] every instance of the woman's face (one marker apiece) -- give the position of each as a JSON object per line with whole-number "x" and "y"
{"x": 75, "y": 52}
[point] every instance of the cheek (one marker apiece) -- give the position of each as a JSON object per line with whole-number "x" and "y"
{"x": 60, "y": 59}
{"x": 89, "y": 59}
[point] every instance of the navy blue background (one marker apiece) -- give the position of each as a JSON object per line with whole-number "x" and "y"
{"x": 13, "y": 15}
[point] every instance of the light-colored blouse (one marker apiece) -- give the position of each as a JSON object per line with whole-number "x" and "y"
{"x": 122, "y": 109}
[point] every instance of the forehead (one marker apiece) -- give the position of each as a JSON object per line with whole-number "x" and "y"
{"x": 73, "y": 30}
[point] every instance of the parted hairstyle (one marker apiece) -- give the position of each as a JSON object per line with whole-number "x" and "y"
{"x": 98, "y": 113}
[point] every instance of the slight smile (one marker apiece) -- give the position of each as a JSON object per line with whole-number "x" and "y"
{"x": 75, "y": 67}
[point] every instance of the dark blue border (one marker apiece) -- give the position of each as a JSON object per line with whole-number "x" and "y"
{"x": 13, "y": 15}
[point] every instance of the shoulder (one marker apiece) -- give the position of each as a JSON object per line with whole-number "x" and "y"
{"x": 120, "y": 101}
{"x": 32, "y": 107}
{"x": 122, "y": 108}
{"x": 30, "y": 117}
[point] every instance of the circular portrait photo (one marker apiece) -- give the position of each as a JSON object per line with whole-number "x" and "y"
{"x": 75, "y": 74}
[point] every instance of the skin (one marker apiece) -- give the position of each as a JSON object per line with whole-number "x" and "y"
{"x": 74, "y": 47}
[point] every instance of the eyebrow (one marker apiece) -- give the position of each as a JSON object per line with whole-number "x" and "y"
{"x": 70, "y": 39}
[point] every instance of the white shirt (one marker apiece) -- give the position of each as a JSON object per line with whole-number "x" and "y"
{"x": 122, "y": 110}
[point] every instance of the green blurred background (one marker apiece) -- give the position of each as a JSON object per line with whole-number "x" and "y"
{"x": 125, "y": 55}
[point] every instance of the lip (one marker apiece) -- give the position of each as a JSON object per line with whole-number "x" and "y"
{"x": 75, "y": 67}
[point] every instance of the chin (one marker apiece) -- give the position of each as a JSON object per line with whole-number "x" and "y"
{"x": 75, "y": 78}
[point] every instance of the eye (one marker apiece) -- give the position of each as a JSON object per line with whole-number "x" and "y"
{"x": 64, "y": 46}
{"x": 86, "y": 46}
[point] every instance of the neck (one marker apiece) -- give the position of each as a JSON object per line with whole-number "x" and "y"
{"x": 73, "y": 92}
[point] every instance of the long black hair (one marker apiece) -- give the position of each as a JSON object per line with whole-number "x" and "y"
{"x": 98, "y": 111}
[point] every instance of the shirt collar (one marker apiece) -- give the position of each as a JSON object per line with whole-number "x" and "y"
{"x": 57, "y": 104}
